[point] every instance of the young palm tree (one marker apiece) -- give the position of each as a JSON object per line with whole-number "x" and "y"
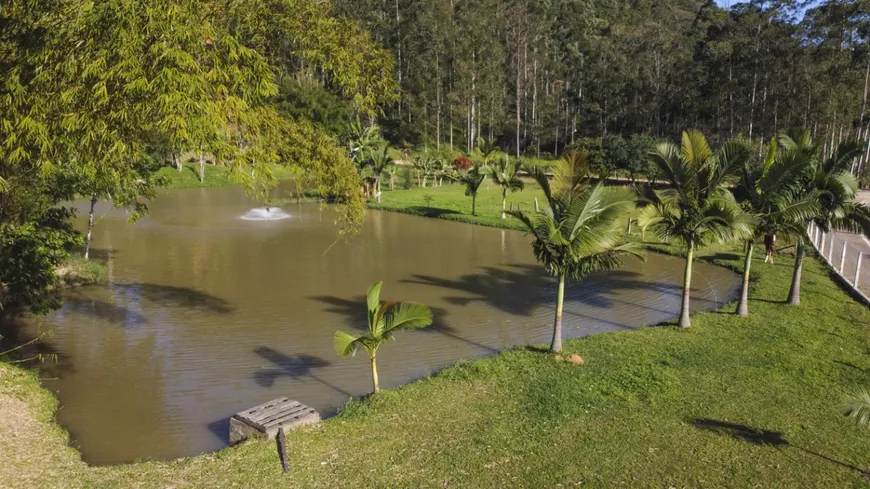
{"x": 771, "y": 193}
{"x": 379, "y": 160}
{"x": 385, "y": 320}
{"x": 579, "y": 232}
{"x": 834, "y": 188}
{"x": 487, "y": 148}
{"x": 697, "y": 209}
{"x": 505, "y": 176}
{"x": 858, "y": 407}
{"x": 472, "y": 179}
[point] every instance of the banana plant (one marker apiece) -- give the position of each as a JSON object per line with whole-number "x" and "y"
{"x": 385, "y": 319}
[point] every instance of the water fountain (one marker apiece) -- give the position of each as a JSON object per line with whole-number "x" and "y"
{"x": 264, "y": 214}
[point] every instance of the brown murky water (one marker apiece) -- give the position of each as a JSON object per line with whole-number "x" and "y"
{"x": 207, "y": 314}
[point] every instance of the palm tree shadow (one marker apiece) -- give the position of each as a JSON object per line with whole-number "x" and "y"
{"x": 354, "y": 312}
{"x": 298, "y": 366}
{"x": 759, "y": 437}
{"x": 508, "y": 288}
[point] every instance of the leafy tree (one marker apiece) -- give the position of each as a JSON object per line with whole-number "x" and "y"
{"x": 472, "y": 179}
{"x": 697, "y": 209}
{"x": 579, "y": 231}
{"x": 771, "y": 193}
{"x": 385, "y": 319}
{"x": 834, "y": 188}
{"x": 505, "y": 176}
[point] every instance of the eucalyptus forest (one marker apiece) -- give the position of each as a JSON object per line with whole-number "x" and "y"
{"x": 558, "y": 208}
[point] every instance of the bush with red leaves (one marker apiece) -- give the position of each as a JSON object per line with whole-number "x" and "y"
{"x": 461, "y": 163}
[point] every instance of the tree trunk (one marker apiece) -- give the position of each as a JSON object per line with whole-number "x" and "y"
{"x": 474, "y": 204}
{"x": 503, "y": 203}
{"x": 376, "y": 387}
{"x": 556, "y": 344}
{"x": 177, "y": 162}
{"x": 794, "y": 293}
{"x": 685, "y": 322}
{"x": 90, "y": 226}
{"x": 378, "y": 188}
{"x": 201, "y": 169}
{"x": 743, "y": 305}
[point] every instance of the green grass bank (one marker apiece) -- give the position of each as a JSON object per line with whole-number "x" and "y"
{"x": 729, "y": 403}
{"x": 215, "y": 176}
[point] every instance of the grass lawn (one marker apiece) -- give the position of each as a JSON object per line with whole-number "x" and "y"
{"x": 215, "y": 176}
{"x": 449, "y": 202}
{"x": 729, "y": 403}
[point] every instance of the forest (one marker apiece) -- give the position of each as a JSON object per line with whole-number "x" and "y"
{"x": 541, "y": 76}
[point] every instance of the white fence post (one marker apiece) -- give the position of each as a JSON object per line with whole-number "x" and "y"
{"x": 831, "y": 248}
{"x": 858, "y": 269}
{"x": 843, "y": 258}
{"x": 821, "y": 246}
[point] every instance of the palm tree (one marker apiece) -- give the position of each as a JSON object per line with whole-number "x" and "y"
{"x": 771, "y": 193}
{"x": 472, "y": 179}
{"x": 486, "y": 147}
{"x": 385, "y": 320}
{"x": 858, "y": 407}
{"x": 579, "y": 231}
{"x": 505, "y": 176}
{"x": 379, "y": 160}
{"x": 697, "y": 209}
{"x": 834, "y": 188}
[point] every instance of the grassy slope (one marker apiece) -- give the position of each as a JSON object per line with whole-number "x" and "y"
{"x": 449, "y": 202}
{"x": 215, "y": 176}
{"x": 731, "y": 402}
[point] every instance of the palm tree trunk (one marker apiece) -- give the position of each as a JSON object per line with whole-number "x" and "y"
{"x": 201, "y": 169}
{"x": 685, "y": 322}
{"x": 375, "y": 385}
{"x": 474, "y": 204}
{"x": 556, "y": 344}
{"x": 743, "y": 305}
{"x": 503, "y": 202}
{"x": 794, "y": 293}
{"x": 90, "y": 226}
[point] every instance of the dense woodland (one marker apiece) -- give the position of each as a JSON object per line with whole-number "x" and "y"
{"x": 541, "y": 75}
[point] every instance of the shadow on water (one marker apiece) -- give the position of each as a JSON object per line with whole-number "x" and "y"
{"x": 170, "y": 296}
{"x": 430, "y": 211}
{"x": 295, "y": 367}
{"x": 354, "y": 312}
{"x": 759, "y": 437}
{"x": 508, "y": 288}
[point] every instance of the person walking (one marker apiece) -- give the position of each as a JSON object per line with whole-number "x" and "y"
{"x": 770, "y": 246}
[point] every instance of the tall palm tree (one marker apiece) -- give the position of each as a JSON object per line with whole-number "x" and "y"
{"x": 579, "y": 231}
{"x": 505, "y": 176}
{"x": 771, "y": 192}
{"x": 834, "y": 188}
{"x": 472, "y": 179}
{"x": 698, "y": 208}
{"x": 385, "y": 320}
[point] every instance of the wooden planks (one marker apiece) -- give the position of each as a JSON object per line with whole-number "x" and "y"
{"x": 266, "y": 419}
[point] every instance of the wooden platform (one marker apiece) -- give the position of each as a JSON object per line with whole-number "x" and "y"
{"x": 265, "y": 419}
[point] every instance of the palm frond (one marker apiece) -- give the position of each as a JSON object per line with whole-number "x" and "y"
{"x": 858, "y": 407}
{"x": 346, "y": 344}
{"x": 405, "y": 316}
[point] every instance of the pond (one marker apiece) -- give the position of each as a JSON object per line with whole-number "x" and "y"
{"x": 211, "y": 308}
